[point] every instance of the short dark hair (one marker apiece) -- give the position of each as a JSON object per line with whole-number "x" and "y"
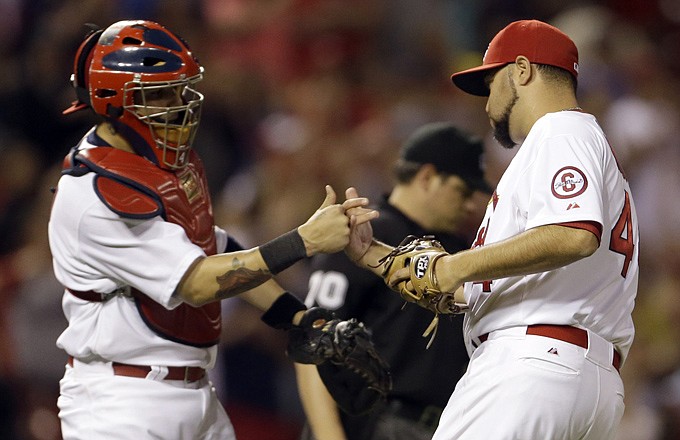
{"x": 405, "y": 170}
{"x": 557, "y": 75}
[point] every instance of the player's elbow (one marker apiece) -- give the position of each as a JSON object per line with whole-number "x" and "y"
{"x": 571, "y": 243}
{"x": 190, "y": 289}
{"x": 584, "y": 243}
{"x": 193, "y": 297}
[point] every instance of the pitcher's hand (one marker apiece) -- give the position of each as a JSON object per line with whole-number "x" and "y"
{"x": 361, "y": 231}
{"x": 328, "y": 229}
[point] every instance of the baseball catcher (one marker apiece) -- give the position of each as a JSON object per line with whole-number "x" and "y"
{"x": 353, "y": 372}
{"x": 147, "y": 258}
{"x": 420, "y": 255}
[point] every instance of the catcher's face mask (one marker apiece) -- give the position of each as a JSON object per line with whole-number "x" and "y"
{"x": 142, "y": 77}
{"x": 171, "y": 110}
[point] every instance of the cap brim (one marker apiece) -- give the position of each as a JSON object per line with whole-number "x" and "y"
{"x": 472, "y": 80}
{"x": 76, "y": 106}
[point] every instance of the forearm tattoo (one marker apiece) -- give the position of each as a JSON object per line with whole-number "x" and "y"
{"x": 239, "y": 279}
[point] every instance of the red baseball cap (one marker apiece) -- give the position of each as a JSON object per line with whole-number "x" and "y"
{"x": 540, "y": 42}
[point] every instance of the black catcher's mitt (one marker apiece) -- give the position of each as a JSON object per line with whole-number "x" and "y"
{"x": 353, "y": 372}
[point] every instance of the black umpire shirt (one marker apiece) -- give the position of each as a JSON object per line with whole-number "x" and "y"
{"x": 421, "y": 377}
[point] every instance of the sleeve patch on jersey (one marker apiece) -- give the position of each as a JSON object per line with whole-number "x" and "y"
{"x": 125, "y": 200}
{"x": 569, "y": 182}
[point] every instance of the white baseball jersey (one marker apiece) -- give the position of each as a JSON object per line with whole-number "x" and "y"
{"x": 564, "y": 172}
{"x": 96, "y": 249}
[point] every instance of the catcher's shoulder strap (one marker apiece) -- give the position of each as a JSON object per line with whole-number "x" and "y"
{"x": 127, "y": 200}
{"x": 114, "y": 182}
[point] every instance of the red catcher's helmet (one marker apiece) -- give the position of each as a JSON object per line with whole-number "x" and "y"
{"x": 121, "y": 72}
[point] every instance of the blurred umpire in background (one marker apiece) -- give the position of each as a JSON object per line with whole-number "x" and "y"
{"x": 437, "y": 173}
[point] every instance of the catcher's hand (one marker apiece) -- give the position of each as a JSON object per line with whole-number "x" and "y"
{"x": 420, "y": 255}
{"x": 347, "y": 362}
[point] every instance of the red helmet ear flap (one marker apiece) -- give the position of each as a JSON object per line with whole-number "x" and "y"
{"x": 81, "y": 70}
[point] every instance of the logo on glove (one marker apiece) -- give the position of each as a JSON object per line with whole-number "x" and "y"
{"x": 421, "y": 264}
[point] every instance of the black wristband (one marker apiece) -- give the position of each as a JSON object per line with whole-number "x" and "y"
{"x": 283, "y": 251}
{"x": 281, "y": 312}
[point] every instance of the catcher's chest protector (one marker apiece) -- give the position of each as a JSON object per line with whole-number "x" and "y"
{"x": 133, "y": 187}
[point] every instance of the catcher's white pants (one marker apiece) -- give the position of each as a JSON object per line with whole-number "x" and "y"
{"x": 96, "y": 405}
{"x": 527, "y": 387}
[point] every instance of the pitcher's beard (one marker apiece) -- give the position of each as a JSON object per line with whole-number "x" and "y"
{"x": 501, "y": 132}
{"x": 501, "y": 126}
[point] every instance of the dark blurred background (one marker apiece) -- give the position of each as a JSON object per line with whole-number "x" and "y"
{"x": 301, "y": 93}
